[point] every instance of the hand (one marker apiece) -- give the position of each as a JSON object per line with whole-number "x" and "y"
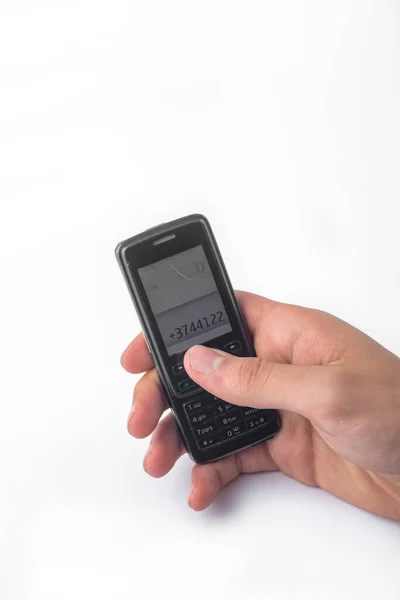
{"x": 338, "y": 392}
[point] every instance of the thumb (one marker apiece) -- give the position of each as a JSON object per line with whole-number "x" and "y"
{"x": 258, "y": 383}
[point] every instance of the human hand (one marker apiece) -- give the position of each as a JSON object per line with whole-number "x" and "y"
{"x": 338, "y": 392}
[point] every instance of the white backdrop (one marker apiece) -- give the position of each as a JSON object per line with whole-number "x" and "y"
{"x": 279, "y": 120}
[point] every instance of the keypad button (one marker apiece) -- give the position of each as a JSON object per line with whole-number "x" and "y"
{"x": 208, "y": 440}
{"x": 198, "y": 417}
{"x": 233, "y": 430}
{"x": 198, "y": 403}
{"x": 249, "y": 411}
{"x": 178, "y": 369}
{"x": 220, "y": 408}
{"x": 186, "y": 384}
{"x": 256, "y": 421}
{"x": 234, "y": 346}
{"x": 230, "y": 418}
{"x": 209, "y": 428}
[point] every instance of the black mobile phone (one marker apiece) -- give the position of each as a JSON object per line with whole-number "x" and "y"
{"x": 183, "y": 296}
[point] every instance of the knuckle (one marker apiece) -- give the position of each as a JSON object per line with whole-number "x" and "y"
{"x": 250, "y": 375}
{"x": 337, "y": 403}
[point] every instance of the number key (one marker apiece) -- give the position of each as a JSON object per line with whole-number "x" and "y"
{"x": 249, "y": 411}
{"x": 233, "y": 430}
{"x": 256, "y": 421}
{"x": 222, "y": 407}
{"x": 206, "y": 429}
{"x": 198, "y": 403}
{"x": 230, "y": 418}
{"x": 201, "y": 415}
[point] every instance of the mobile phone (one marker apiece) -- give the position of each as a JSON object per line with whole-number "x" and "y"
{"x": 183, "y": 296}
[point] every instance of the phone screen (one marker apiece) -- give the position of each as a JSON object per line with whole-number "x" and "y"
{"x": 184, "y": 298}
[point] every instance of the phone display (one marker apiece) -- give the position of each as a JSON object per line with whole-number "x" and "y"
{"x": 184, "y": 298}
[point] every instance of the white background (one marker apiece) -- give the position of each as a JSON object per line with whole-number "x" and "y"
{"x": 280, "y": 121}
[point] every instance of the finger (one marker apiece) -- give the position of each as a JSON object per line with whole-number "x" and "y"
{"x": 136, "y": 358}
{"x": 254, "y": 308}
{"x": 148, "y": 405}
{"x": 208, "y": 480}
{"x": 165, "y": 448}
{"x": 258, "y": 383}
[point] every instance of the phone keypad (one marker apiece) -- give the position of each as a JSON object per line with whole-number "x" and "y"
{"x": 214, "y": 421}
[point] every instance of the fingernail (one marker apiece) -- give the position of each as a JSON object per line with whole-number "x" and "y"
{"x": 131, "y": 413}
{"x": 191, "y": 492}
{"x": 148, "y": 452}
{"x": 205, "y": 360}
{"x": 122, "y": 357}
{"x": 146, "y": 456}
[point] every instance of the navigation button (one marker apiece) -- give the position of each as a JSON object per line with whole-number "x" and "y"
{"x": 186, "y": 384}
{"x": 178, "y": 369}
{"x": 234, "y": 346}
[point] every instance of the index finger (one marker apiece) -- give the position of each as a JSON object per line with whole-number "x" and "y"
{"x": 136, "y": 358}
{"x": 254, "y": 308}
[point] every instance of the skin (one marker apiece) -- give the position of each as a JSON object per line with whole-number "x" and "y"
{"x": 338, "y": 392}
